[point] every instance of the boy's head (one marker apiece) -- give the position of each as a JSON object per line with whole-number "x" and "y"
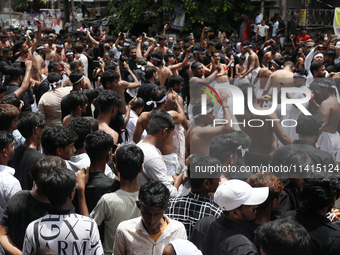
{"x": 8, "y": 117}
{"x": 108, "y": 102}
{"x": 6, "y": 146}
{"x": 43, "y": 166}
{"x": 59, "y": 185}
{"x": 153, "y": 200}
{"x": 77, "y": 101}
{"x": 82, "y": 127}
{"x": 30, "y": 123}
{"x": 98, "y": 146}
{"x": 59, "y": 141}
{"x": 129, "y": 161}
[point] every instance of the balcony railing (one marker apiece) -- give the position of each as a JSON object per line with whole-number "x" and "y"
{"x": 316, "y": 17}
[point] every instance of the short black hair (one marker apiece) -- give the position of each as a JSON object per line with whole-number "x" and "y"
{"x": 157, "y": 93}
{"x": 129, "y": 160}
{"x": 27, "y": 121}
{"x": 97, "y": 145}
{"x": 94, "y": 123}
{"x": 39, "y": 167}
{"x": 5, "y": 139}
{"x": 58, "y": 184}
{"x": 174, "y": 80}
{"x": 11, "y": 99}
{"x": 55, "y": 137}
{"x": 225, "y": 145}
{"x": 76, "y": 98}
{"x": 157, "y": 55}
{"x": 53, "y": 65}
{"x": 108, "y": 99}
{"x": 149, "y": 71}
{"x": 200, "y": 160}
{"x": 74, "y": 65}
{"x": 75, "y": 75}
{"x": 154, "y": 193}
{"x": 283, "y": 236}
{"x": 168, "y": 55}
{"x": 309, "y": 125}
{"x": 159, "y": 120}
{"x": 108, "y": 76}
{"x": 319, "y": 193}
{"x": 8, "y": 113}
{"x": 82, "y": 127}
{"x": 315, "y": 65}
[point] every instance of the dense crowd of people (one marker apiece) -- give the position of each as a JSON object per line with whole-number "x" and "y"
{"x": 116, "y": 144}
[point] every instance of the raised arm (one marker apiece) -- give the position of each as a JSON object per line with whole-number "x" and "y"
{"x": 26, "y": 81}
{"x": 38, "y": 38}
{"x": 96, "y": 43}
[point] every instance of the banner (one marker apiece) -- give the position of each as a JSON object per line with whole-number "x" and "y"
{"x": 51, "y": 19}
{"x": 303, "y": 17}
{"x": 336, "y": 23}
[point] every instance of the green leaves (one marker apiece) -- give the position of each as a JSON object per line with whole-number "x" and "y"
{"x": 221, "y": 15}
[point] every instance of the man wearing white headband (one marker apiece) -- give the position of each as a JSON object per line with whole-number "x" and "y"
{"x": 329, "y": 139}
{"x": 253, "y": 66}
{"x": 273, "y": 53}
{"x": 58, "y": 54}
{"x": 158, "y": 100}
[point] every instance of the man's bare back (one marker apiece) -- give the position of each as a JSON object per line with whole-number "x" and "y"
{"x": 330, "y": 110}
{"x": 283, "y": 76}
{"x": 163, "y": 74}
{"x": 263, "y": 139}
{"x": 102, "y": 126}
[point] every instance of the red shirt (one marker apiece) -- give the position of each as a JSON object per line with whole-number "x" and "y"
{"x": 304, "y": 39}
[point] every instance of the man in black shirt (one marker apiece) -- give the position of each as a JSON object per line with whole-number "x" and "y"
{"x": 318, "y": 196}
{"x": 145, "y": 89}
{"x": 227, "y": 234}
{"x": 30, "y": 125}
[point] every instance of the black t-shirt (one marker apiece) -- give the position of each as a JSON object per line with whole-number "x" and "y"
{"x": 41, "y": 90}
{"x": 20, "y": 211}
{"x": 27, "y": 97}
{"x": 144, "y": 92}
{"x": 98, "y": 185}
{"x": 23, "y": 158}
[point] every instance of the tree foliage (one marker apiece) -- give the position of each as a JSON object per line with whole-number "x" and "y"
{"x": 219, "y": 14}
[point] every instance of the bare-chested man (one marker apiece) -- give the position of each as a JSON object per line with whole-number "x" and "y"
{"x": 270, "y": 55}
{"x": 203, "y": 130}
{"x": 253, "y": 66}
{"x": 78, "y": 65}
{"x": 264, "y": 138}
{"x": 26, "y": 53}
{"x": 4, "y": 43}
{"x": 158, "y": 99}
{"x": 58, "y": 54}
{"x": 329, "y": 140}
{"x": 50, "y": 47}
{"x": 108, "y": 102}
{"x": 170, "y": 61}
{"x": 222, "y": 76}
{"x": 282, "y": 77}
{"x": 162, "y": 42}
{"x": 157, "y": 61}
{"x": 175, "y": 83}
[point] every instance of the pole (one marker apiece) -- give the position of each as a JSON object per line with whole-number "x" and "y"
{"x": 10, "y": 11}
{"x": 73, "y": 21}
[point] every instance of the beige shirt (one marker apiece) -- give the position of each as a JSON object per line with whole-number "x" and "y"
{"x": 113, "y": 208}
{"x": 50, "y": 105}
{"x": 132, "y": 237}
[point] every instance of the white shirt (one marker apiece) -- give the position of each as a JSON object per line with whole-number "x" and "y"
{"x": 85, "y": 62}
{"x": 9, "y": 185}
{"x": 65, "y": 234}
{"x": 262, "y": 30}
{"x": 81, "y": 161}
{"x": 130, "y": 128}
{"x": 132, "y": 237}
{"x": 154, "y": 168}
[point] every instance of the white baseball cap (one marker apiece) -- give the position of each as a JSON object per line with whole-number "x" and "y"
{"x": 234, "y": 193}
